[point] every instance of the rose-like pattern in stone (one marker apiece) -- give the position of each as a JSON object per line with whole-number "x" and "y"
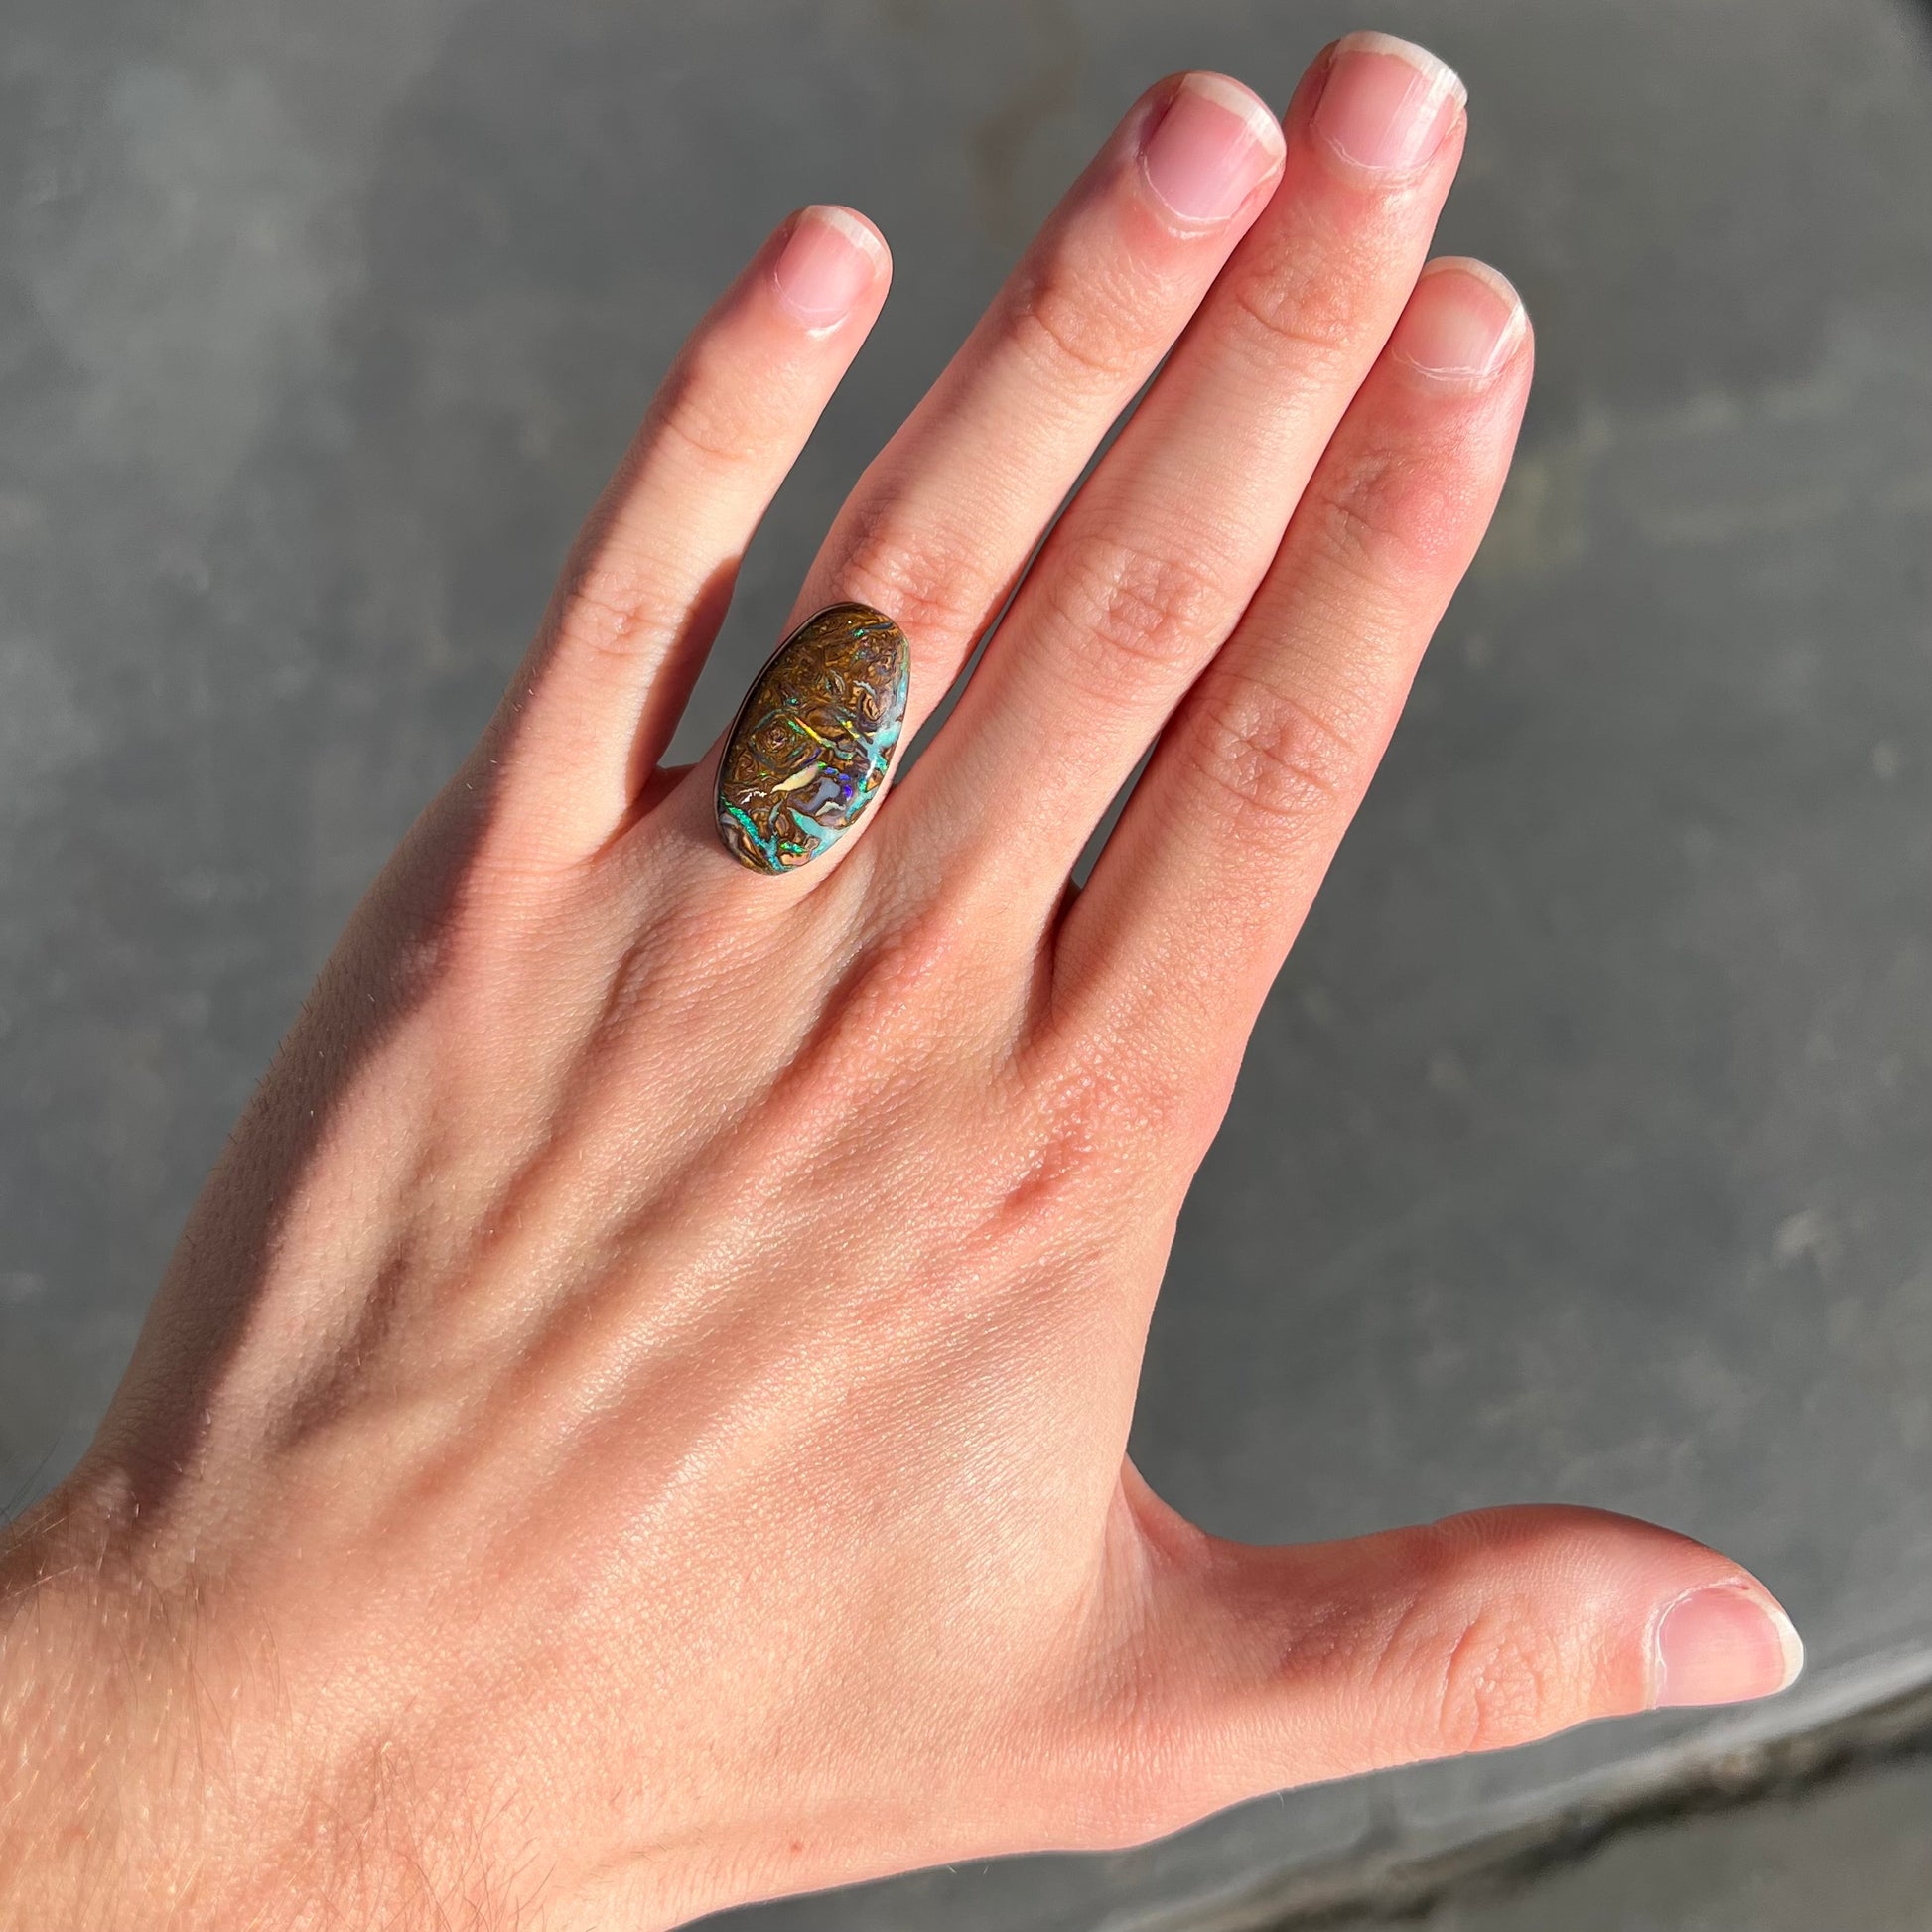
{"x": 813, "y": 738}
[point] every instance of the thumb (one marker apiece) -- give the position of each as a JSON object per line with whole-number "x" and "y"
{"x": 1280, "y": 1666}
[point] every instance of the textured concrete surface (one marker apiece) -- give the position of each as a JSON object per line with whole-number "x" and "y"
{"x": 1854, "y": 1852}
{"x": 1852, "y": 1855}
{"x": 1824, "y": 1829}
{"x": 1582, "y": 1151}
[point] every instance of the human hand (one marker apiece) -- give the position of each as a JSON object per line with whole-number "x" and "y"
{"x": 637, "y": 1420}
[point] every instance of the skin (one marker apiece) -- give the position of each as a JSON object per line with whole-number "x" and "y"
{"x": 636, "y": 1421}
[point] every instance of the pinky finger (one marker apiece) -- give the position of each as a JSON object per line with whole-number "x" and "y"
{"x": 1211, "y": 869}
{"x": 643, "y": 592}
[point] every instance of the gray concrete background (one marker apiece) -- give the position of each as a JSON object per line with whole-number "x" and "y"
{"x": 1582, "y": 1149}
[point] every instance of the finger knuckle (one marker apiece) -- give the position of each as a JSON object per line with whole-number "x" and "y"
{"x": 922, "y": 573}
{"x": 1304, "y": 304}
{"x": 1121, "y": 611}
{"x": 1389, "y": 514}
{"x": 1139, "y": 1109}
{"x": 714, "y": 412}
{"x": 1270, "y": 760}
{"x": 1081, "y": 1138}
{"x": 1471, "y": 1663}
{"x": 1044, "y": 1177}
{"x": 909, "y": 995}
{"x": 1496, "y": 1683}
{"x": 607, "y": 608}
{"x": 1073, "y": 328}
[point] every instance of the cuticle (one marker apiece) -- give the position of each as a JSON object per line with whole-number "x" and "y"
{"x": 1155, "y": 109}
{"x": 1314, "y": 84}
{"x": 1656, "y": 1670}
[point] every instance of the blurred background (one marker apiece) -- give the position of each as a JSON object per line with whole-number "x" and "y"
{"x": 1582, "y": 1151}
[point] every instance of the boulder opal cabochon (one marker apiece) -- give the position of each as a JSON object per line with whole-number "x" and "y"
{"x": 813, "y": 738}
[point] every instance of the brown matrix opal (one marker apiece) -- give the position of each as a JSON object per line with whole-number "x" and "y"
{"x": 813, "y": 740}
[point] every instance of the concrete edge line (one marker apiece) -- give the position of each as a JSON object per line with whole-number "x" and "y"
{"x": 1379, "y": 1882}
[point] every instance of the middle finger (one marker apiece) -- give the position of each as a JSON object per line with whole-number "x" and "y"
{"x": 1153, "y": 563}
{"x": 942, "y": 521}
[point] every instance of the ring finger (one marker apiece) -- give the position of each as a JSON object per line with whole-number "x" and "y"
{"x": 942, "y": 521}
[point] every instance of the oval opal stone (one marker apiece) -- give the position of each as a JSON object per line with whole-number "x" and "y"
{"x": 813, "y": 738}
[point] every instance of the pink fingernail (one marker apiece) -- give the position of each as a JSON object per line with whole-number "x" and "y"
{"x": 1463, "y": 323}
{"x": 1211, "y": 148}
{"x": 1722, "y": 1644}
{"x": 1387, "y": 103}
{"x": 831, "y": 259}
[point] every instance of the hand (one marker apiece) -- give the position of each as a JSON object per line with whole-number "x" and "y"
{"x": 636, "y": 1421}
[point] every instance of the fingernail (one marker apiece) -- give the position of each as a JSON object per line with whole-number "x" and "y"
{"x": 1463, "y": 323}
{"x": 1211, "y": 148}
{"x": 831, "y": 259}
{"x": 1387, "y": 103}
{"x": 1722, "y": 1644}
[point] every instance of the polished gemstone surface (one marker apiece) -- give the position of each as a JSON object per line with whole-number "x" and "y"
{"x": 812, "y": 740}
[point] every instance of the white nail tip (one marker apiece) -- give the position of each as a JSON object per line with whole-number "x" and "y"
{"x": 1511, "y": 338}
{"x": 859, "y": 233}
{"x": 1217, "y": 87}
{"x": 1471, "y": 265}
{"x": 1794, "y": 1645}
{"x": 1441, "y": 78}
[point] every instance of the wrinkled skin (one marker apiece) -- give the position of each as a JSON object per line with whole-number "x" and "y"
{"x": 636, "y": 1421}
